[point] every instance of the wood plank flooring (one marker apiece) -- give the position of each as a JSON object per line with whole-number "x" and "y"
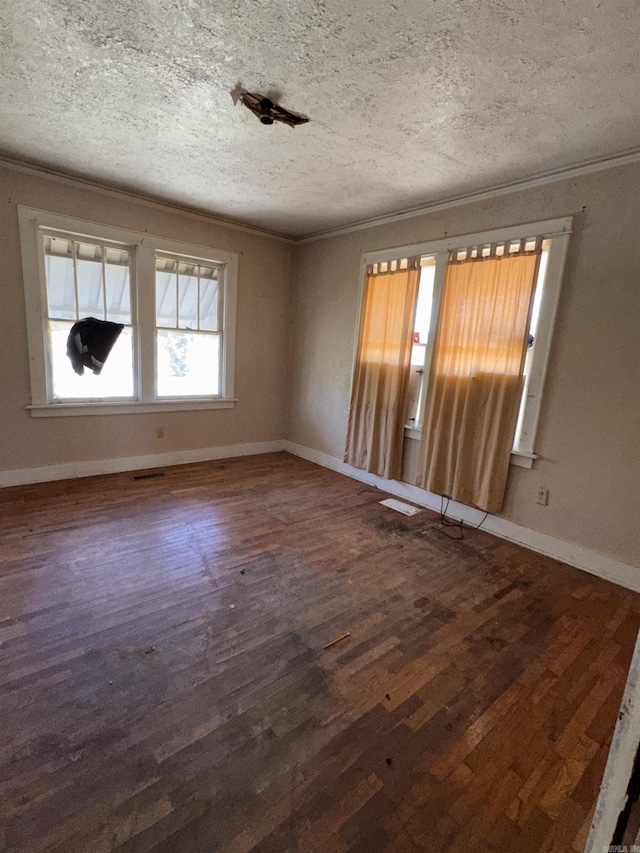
{"x": 164, "y": 687}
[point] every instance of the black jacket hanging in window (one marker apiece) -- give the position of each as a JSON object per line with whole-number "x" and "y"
{"x": 89, "y": 343}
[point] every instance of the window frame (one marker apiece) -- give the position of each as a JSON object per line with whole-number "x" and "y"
{"x": 558, "y": 232}
{"x": 219, "y": 333}
{"x": 143, "y": 248}
{"x": 44, "y": 232}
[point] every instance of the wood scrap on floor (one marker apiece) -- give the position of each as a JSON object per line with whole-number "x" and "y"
{"x": 337, "y": 640}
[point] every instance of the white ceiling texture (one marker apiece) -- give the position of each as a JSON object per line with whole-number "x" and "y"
{"x": 411, "y": 101}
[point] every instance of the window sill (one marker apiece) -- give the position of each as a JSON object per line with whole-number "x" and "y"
{"x": 523, "y": 459}
{"x": 412, "y": 432}
{"x": 518, "y": 457}
{"x": 53, "y": 410}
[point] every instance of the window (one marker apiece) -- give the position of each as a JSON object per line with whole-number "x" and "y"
{"x": 433, "y": 269}
{"x": 188, "y": 329}
{"x": 176, "y": 303}
{"x": 85, "y": 279}
{"x": 421, "y": 330}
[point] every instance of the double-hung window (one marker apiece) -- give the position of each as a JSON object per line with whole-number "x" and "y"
{"x": 87, "y": 279}
{"x": 176, "y": 304}
{"x": 189, "y": 333}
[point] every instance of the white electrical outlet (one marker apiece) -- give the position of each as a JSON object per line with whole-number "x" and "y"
{"x": 542, "y": 497}
{"x": 159, "y": 432}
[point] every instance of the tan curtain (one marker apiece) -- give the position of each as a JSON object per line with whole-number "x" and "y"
{"x": 475, "y": 383}
{"x": 379, "y": 394}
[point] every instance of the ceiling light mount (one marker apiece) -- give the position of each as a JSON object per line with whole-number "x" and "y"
{"x": 265, "y": 109}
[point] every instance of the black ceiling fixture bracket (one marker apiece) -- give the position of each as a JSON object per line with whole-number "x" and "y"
{"x": 265, "y": 109}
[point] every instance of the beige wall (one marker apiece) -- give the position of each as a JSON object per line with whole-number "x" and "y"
{"x": 590, "y": 424}
{"x": 264, "y": 294}
{"x": 589, "y": 433}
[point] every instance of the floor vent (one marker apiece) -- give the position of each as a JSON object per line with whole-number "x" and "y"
{"x": 401, "y": 506}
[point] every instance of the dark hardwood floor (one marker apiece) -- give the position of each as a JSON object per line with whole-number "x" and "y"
{"x": 164, "y": 686}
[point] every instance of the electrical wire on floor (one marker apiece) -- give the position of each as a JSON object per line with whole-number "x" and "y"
{"x": 451, "y": 522}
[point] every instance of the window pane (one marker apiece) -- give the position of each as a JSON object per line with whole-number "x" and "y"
{"x": 115, "y": 380}
{"x": 61, "y": 292}
{"x": 89, "y": 271}
{"x": 533, "y": 329}
{"x": 420, "y": 339}
{"x": 423, "y": 311}
{"x": 166, "y": 291}
{"x": 209, "y": 303}
{"x": 188, "y": 299}
{"x": 118, "y": 286}
{"x": 188, "y": 365}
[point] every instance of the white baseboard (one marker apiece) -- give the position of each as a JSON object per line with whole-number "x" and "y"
{"x": 69, "y": 470}
{"x": 590, "y": 561}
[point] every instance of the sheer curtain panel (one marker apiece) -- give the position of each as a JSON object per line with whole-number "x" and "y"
{"x": 475, "y": 383}
{"x": 381, "y": 378}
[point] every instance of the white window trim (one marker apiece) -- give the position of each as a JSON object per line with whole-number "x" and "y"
{"x": 523, "y": 453}
{"x": 145, "y": 245}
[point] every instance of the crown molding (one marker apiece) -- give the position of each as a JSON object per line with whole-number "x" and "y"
{"x": 553, "y": 176}
{"x": 139, "y": 197}
{"x": 550, "y": 177}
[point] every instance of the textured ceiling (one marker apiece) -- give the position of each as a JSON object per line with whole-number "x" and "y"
{"x": 410, "y": 102}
